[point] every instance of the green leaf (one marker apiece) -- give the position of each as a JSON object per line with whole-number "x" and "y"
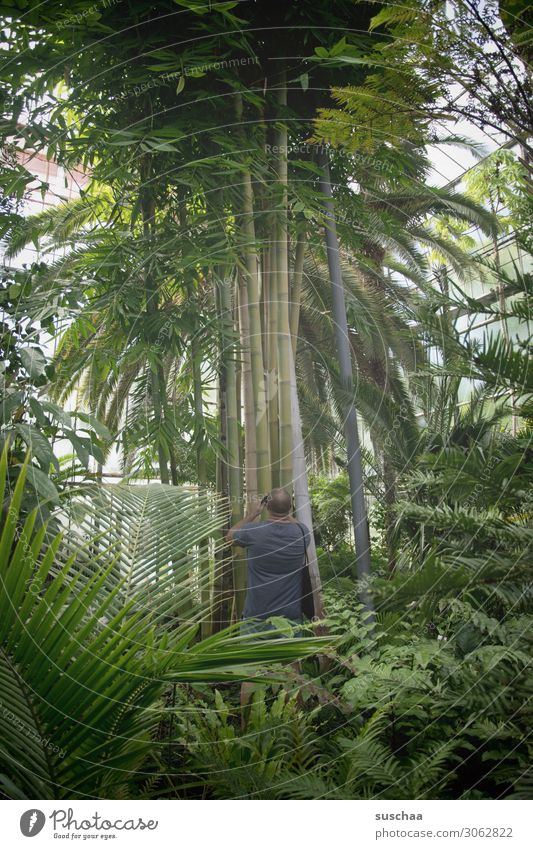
{"x": 338, "y": 48}
{"x": 96, "y": 425}
{"x": 282, "y": 625}
{"x": 33, "y": 361}
{"x": 352, "y": 60}
{"x": 22, "y": 747}
{"x": 39, "y": 446}
{"x": 37, "y": 411}
{"x": 42, "y": 485}
{"x": 60, "y": 415}
{"x": 9, "y": 404}
{"x": 80, "y": 447}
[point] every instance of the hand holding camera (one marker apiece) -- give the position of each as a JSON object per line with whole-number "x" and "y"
{"x": 256, "y": 509}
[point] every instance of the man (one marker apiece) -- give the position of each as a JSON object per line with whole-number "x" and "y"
{"x": 275, "y": 553}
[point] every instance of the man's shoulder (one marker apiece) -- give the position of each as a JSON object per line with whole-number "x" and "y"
{"x": 306, "y": 533}
{"x": 254, "y": 529}
{"x": 252, "y": 525}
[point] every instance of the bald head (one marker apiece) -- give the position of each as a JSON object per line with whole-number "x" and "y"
{"x": 279, "y": 503}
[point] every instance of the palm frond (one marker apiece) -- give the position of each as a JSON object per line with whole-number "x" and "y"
{"x": 59, "y": 223}
{"x": 152, "y": 533}
{"x": 93, "y": 663}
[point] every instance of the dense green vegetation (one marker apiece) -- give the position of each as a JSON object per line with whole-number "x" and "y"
{"x": 177, "y": 319}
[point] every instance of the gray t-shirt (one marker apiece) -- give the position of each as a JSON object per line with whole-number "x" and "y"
{"x": 275, "y": 553}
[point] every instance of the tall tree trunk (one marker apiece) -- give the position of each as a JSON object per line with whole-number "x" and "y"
{"x": 301, "y": 490}
{"x": 296, "y": 290}
{"x": 283, "y": 334}
{"x": 355, "y": 466}
{"x": 238, "y": 381}
{"x": 256, "y": 347}
{"x": 232, "y": 414}
{"x": 250, "y": 453}
{"x": 266, "y": 273}
{"x": 271, "y": 302}
{"x": 234, "y": 587}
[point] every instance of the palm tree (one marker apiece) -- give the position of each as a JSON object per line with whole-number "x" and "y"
{"x": 245, "y": 239}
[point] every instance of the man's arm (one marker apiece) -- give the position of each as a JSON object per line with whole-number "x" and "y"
{"x": 253, "y": 513}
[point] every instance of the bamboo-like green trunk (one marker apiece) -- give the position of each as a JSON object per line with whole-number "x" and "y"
{"x": 254, "y": 317}
{"x": 283, "y": 330}
{"x": 296, "y": 290}
{"x": 301, "y": 492}
{"x": 236, "y": 588}
{"x": 266, "y": 270}
{"x": 232, "y": 413}
{"x": 301, "y": 485}
{"x": 250, "y": 453}
{"x": 271, "y": 302}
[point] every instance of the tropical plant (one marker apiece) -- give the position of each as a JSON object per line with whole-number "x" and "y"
{"x": 331, "y": 509}
{"x": 85, "y": 664}
{"x": 29, "y": 420}
{"x": 188, "y": 293}
{"x": 280, "y": 741}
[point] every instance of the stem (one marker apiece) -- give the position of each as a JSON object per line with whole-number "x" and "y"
{"x": 354, "y": 461}
{"x": 283, "y": 334}
{"x": 296, "y": 290}
{"x": 272, "y": 361}
{"x": 301, "y": 492}
{"x": 256, "y": 347}
{"x": 234, "y": 576}
{"x": 250, "y": 452}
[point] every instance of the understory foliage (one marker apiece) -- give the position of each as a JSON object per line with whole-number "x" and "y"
{"x": 79, "y": 640}
{"x": 434, "y": 701}
{"x": 187, "y": 296}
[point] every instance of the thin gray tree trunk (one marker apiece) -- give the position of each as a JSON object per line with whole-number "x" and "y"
{"x": 353, "y": 449}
